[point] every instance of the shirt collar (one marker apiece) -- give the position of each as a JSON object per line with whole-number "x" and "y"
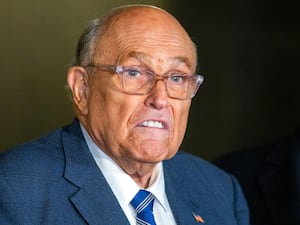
{"x": 122, "y": 185}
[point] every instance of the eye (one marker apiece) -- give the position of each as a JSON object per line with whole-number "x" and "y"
{"x": 177, "y": 78}
{"x": 133, "y": 72}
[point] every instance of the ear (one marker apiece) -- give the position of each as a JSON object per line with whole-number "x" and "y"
{"x": 78, "y": 84}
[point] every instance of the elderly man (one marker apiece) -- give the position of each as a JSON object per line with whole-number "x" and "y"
{"x": 132, "y": 82}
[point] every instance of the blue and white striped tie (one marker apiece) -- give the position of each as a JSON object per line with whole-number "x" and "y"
{"x": 143, "y": 205}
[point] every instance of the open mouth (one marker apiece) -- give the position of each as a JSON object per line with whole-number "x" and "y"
{"x": 153, "y": 124}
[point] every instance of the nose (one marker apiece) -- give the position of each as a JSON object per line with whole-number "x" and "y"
{"x": 158, "y": 97}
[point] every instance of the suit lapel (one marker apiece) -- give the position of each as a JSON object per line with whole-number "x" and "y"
{"x": 181, "y": 201}
{"x": 94, "y": 199}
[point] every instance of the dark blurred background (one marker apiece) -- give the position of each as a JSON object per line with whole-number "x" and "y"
{"x": 248, "y": 51}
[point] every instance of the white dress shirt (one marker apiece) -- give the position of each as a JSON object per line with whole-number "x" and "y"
{"x": 125, "y": 188}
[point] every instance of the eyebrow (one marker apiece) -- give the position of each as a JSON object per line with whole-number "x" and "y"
{"x": 145, "y": 59}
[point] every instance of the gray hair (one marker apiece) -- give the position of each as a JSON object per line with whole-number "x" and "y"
{"x": 85, "y": 50}
{"x": 96, "y": 28}
{"x": 86, "y": 44}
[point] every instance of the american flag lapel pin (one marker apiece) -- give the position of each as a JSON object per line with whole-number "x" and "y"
{"x": 198, "y": 218}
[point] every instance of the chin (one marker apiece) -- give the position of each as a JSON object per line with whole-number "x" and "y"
{"x": 155, "y": 155}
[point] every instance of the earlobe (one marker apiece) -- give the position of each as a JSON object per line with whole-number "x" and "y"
{"x": 78, "y": 84}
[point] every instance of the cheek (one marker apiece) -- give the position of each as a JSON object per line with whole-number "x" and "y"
{"x": 180, "y": 121}
{"x": 110, "y": 112}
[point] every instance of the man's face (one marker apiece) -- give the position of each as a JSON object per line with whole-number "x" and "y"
{"x": 139, "y": 128}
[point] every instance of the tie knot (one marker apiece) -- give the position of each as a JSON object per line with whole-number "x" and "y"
{"x": 143, "y": 201}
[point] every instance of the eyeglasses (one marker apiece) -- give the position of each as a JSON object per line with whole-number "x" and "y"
{"x": 139, "y": 80}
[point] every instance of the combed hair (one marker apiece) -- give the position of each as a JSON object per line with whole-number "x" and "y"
{"x": 87, "y": 42}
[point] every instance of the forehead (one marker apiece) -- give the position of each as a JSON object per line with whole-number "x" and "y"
{"x": 145, "y": 58}
{"x": 146, "y": 34}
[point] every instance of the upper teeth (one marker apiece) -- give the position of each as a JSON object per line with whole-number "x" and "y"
{"x": 153, "y": 124}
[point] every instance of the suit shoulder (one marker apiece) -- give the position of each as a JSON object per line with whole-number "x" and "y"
{"x": 193, "y": 166}
{"x": 33, "y": 156}
{"x": 194, "y": 173}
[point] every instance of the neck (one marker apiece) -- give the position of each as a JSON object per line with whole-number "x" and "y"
{"x": 143, "y": 182}
{"x": 141, "y": 173}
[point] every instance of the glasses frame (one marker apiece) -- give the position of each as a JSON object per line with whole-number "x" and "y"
{"x": 119, "y": 69}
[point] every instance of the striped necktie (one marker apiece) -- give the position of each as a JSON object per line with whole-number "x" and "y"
{"x": 143, "y": 205}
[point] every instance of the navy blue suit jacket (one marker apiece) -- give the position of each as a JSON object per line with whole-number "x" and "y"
{"x": 55, "y": 180}
{"x": 270, "y": 177}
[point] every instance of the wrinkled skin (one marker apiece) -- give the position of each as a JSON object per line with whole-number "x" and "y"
{"x": 143, "y": 36}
